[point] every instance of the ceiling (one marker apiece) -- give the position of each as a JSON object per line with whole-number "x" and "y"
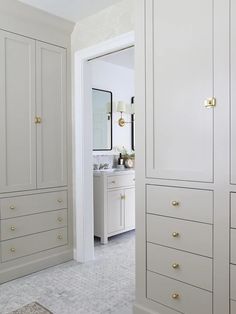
{"x": 73, "y": 10}
{"x": 123, "y": 58}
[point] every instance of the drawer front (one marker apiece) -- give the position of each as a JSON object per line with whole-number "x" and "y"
{"x": 32, "y": 204}
{"x": 21, "y": 226}
{"x": 184, "y": 235}
{"x": 233, "y": 282}
{"x": 189, "y": 204}
{"x": 28, "y": 245}
{"x": 233, "y": 210}
{"x": 120, "y": 181}
{"x": 177, "y": 295}
{"x": 232, "y": 307}
{"x": 180, "y": 265}
{"x": 233, "y": 246}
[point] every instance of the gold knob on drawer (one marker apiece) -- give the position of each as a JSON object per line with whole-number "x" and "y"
{"x": 175, "y": 265}
{"x": 12, "y": 207}
{"x": 59, "y": 237}
{"x": 175, "y": 296}
{"x": 13, "y": 228}
{"x": 175, "y": 234}
{"x": 175, "y": 203}
{"x": 60, "y": 219}
{"x": 60, "y": 200}
{"x": 12, "y": 250}
{"x": 37, "y": 120}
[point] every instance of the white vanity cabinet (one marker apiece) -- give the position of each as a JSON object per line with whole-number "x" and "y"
{"x": 114, "y": 203}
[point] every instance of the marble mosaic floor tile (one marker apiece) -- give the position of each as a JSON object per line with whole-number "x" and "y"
{"x": 102, "y": 286}
{"x": 32, "y": 308}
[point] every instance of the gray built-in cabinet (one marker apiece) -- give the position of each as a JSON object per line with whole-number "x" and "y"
{"x": 34, "y": 211}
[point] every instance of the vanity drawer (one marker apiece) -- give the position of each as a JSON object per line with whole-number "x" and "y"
{"x": 28, "y": 245}
{"x": 21, "y": 226}
{"x": 179, "y": 296}
{"x": 189, "y": 204}
{"x": 32, "y": 204}
{"x": 121, "y": 181}
{"x": 233, "y": 246}
{"x": 233, "y": 210}
{"x": 233, "y": 282}
{"x": 232, "y": 307}
{"x": 180, "y": 265}
{"x": 184, "y": 235}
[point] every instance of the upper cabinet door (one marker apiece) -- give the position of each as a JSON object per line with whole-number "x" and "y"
{"x": 51, "y": 109}
{"x": 233, "y": 91}
{"x": 17, "y": 113}
{"x": 179, "y": 78}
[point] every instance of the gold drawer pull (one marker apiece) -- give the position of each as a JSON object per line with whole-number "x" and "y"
{"x": 210, "y": 102}
{"x": 13, "y": 228}
{"x": 12, "y": 250}
{"x": 175, "y": 203}
{"x": 175, "y": 234}
{"x": 175, "y": 296}
{"x": 37, "y": 120}
{"x": 175, "y": 265}
{"x": 60, "y": 219}
{"x": 12, "y": 207}
{"x": 60, "y": 200}
{"x": 59, "y": 237}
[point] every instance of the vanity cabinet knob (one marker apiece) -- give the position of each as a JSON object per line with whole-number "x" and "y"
{"x": 12, "y": 207}
{"x": 175, "y": 265}
{"x": 60, "y": 200}
{"x": 59, "y": 237}
{"x": 13, "y": 228}
{"x": 12, "y": 250}
{"x": 175, "y": 296}
{"x": 175, "y": 203}
{"x": 175, "y": 234}
{"x": 59, "y": 219}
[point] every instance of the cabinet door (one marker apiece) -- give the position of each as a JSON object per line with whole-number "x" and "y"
{"x": 180, "y": 77}
{"x": 51, "y": 108}
{"x": 233, "y": 91}
{"x": 115, "y": 211}
{"x": 17, "y": 112}
{"x": 130, "y": 208}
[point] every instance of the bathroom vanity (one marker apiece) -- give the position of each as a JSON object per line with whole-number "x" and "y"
{"x": 114, "y": 202}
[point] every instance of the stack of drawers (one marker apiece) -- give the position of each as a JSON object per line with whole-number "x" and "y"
{"x": 179, "y": 248}
{"x": 32, "y": 223}
{"x": 233, "y": 254}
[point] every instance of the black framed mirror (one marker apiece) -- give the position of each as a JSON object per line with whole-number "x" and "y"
{"x": 132, "y": 127}
{"x": 102, "y": 119}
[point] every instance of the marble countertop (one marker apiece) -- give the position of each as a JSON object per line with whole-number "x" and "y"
{"x": 114, "y": 171}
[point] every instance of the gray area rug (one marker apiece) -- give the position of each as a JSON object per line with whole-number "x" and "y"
{"x": 32, "y": 308}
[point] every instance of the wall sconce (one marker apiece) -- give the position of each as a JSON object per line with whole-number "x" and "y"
{"x": 122, "y": 107}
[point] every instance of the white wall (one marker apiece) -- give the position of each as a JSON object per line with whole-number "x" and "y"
{"x": 108, "y": 23}
{"x": 120, "y": 81}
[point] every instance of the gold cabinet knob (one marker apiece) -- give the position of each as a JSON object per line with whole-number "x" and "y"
{"x": 175, "y": 265}
{"x": 12, "y": 207}
{"x": 59, "y": 219}
{"x": 210, "y": 102}
{"x": 175, "y": 234}
{"x": 175, "y": 296}
{"x": 175, "y": 203}
{"x": 60, "y": 200}
{"x": 122, "y": 197}
{"x": 13, "y": 228}
{"x": 12, "y": 250}
{"x": 59, "y": 237}
{"x": 37, "y": 120}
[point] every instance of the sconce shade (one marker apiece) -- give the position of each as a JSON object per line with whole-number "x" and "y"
{"x": 121, "y": 106}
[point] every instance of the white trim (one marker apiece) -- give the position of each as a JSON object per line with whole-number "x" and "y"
{"x": 82, "y": 142}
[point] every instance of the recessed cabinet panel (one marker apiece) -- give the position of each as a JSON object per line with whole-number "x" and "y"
{"x": 233, "y": 92}
{"x": 130, "y": 208}
{"x": 51, "y": 109}
{"x": 180, "y": 78}
{"x": 17, "y": 112}
{"x": 115, "y": 211}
